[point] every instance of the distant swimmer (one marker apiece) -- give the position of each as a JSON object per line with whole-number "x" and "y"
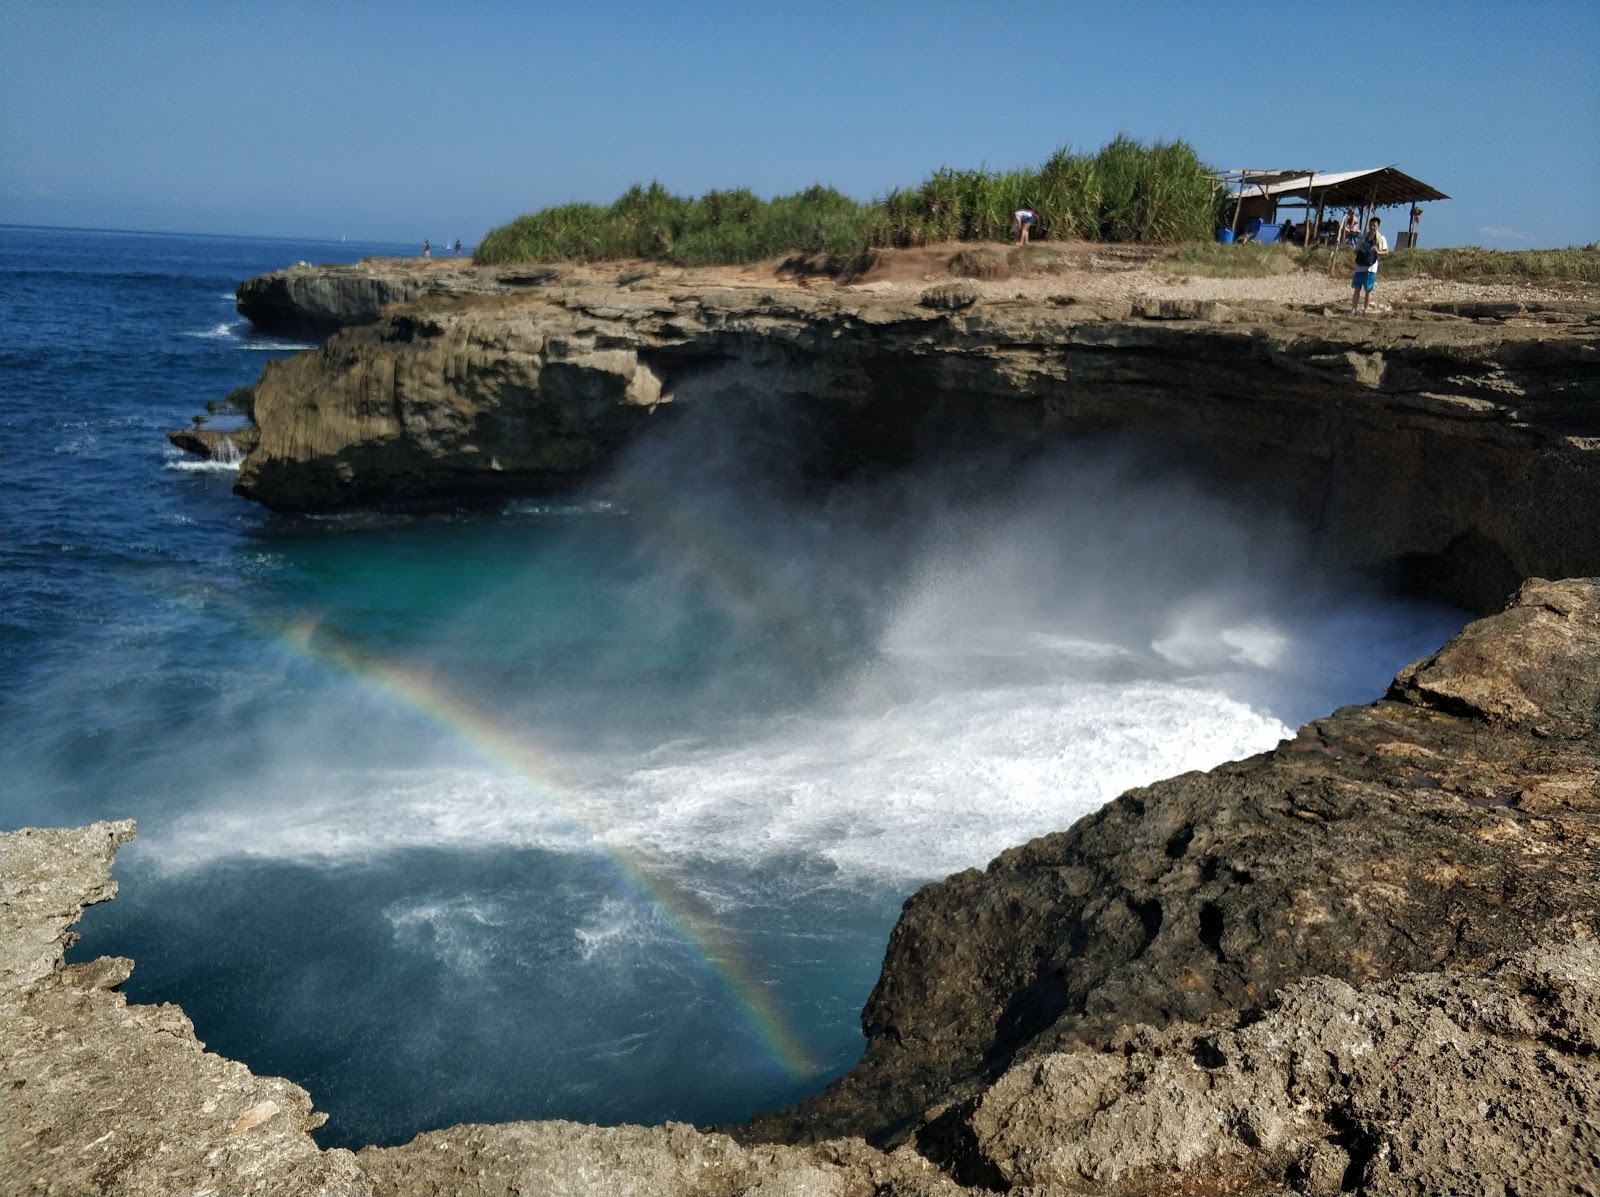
{"x": 1022, "y": 222}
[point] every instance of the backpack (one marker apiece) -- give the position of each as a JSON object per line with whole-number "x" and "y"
{"x": 1366, "y": 254}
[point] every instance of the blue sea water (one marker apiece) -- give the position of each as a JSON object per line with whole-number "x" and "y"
{"x": 599, "y": 807}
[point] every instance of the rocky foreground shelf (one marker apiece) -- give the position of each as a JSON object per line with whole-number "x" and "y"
{"x": 1368, "y": 960}
{"x": 1459, "y": 441}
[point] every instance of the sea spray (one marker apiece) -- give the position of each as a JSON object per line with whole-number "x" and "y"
{"x": 793, "y": 709}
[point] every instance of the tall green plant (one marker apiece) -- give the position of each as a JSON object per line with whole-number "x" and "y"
{"x": 1125, "y": 192}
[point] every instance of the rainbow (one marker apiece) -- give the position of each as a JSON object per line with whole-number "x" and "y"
{"x": 513, "y": 753}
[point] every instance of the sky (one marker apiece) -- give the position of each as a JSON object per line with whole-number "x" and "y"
{"x": 399, "y": 121}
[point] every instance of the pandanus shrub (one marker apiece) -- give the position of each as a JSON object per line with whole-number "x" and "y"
{"x": 1128, "y": 191}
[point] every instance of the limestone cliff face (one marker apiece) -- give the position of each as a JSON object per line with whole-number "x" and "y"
{"x": 1367, "y": 961}
{"x": 1464, "y": 447}
{"x": 315, "y": 301}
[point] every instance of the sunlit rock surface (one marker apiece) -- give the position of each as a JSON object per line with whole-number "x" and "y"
{"x": 1444, "y": 827}
{"x": 1463, "y": 446}
{"x": 1433, "y": 1083}
{"x": 100, "y": 1096}
{"x": 1367, "y": 960}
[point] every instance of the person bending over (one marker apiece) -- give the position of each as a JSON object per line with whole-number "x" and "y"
{"x": 1022, "y": 223}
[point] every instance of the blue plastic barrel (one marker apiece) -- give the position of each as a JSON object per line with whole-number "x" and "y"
{"x": 1225, "y": 236}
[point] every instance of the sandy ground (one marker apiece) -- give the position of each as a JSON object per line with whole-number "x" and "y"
{"x": 1084, "y": 271}
{"x": 1117, "y": 272}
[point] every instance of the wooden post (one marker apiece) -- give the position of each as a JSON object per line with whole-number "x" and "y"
{"x": 1320, "y": 203}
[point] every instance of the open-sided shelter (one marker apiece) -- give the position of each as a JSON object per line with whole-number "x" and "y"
{"x": 1261, "y": 193}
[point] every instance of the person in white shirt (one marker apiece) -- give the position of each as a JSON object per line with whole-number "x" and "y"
{"x": 1022, "y": 222}
{"x": 1368, "y": 250}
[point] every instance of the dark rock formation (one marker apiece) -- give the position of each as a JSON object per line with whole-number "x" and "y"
{"x": 1444, "y": 827}
{"x": 216, "y": 444}
{"x": 1466, "y": 450}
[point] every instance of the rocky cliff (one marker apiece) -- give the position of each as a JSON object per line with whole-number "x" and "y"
{"x": 1462, "y": 444}
{"x": 1366, "y": 961}
{"x": 1444, "y": 827}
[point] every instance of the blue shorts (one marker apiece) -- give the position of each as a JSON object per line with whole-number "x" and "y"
{"x": 1364, "y": 278}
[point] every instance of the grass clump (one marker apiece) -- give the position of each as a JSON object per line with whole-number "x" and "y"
{"x": 1249, "y": 260}
{"x": 1157, "y": 194}
{"x": 1471, "y": 264}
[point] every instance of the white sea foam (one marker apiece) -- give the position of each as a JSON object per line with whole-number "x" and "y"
{"x": 201, "y": 465}
{"x": 615, "y": 927}
{"x": 1018, "y": 680}
{"x": 912, "y": 788}
{"x": 240, "y": 334}
{"x": 544, "y": 507}
{"x": 221, "y": 332}
{"x": 273, "y": 344}
{"x": 452, "y": 930}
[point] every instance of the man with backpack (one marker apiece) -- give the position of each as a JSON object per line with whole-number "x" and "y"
{"x": 1368, "y": 250}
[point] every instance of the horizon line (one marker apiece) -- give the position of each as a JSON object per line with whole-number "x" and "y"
{"x": 82, "y": 228}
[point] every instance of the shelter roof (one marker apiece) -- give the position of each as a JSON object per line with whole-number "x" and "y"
{"x": 1264, "y": 178}
{"x": 1382, "y": 186}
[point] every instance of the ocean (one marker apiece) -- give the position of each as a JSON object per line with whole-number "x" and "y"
{"x": 598, "y": 807}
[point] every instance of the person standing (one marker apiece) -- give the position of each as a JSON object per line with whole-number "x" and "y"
{"x": 1350, "y": 229}
{"x": 427, "y": 250}
{"x": 1022, "y": 222}
{"x": 1368, "y": 250}
{"x": 458, "y": 247}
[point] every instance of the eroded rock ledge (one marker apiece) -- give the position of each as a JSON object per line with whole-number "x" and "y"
{"x": 1463, "y": 442}
{"x": 1445, "y": 827}
{"x": 1368, "y": 960}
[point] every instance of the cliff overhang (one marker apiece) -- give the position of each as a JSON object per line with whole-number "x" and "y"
{"x": 1461, "y": 445}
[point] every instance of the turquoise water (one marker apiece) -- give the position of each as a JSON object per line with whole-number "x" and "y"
{"x": 599, "y": 808}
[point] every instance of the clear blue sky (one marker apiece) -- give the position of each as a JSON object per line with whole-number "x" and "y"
{"x": 398, "y": 121}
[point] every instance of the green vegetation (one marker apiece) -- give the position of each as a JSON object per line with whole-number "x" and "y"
{"x": 1544, "y": 267}
{"x": 1127, "y": 192}
{"x": 241, "y": 401}
{"x": 1473, "y": 265}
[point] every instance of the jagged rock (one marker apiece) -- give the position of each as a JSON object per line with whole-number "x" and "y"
{"x": 216, "y": 444}
{"x": 1443, "y": 827}
{"x": 101, "y": 1097}
{"x": 316, "y": 301}
{"x": 1468, "y": 453}
{"x": 665, "y": 1161}
{"x": 1428, "y": 1084}
{"x": 950, "y": 297}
